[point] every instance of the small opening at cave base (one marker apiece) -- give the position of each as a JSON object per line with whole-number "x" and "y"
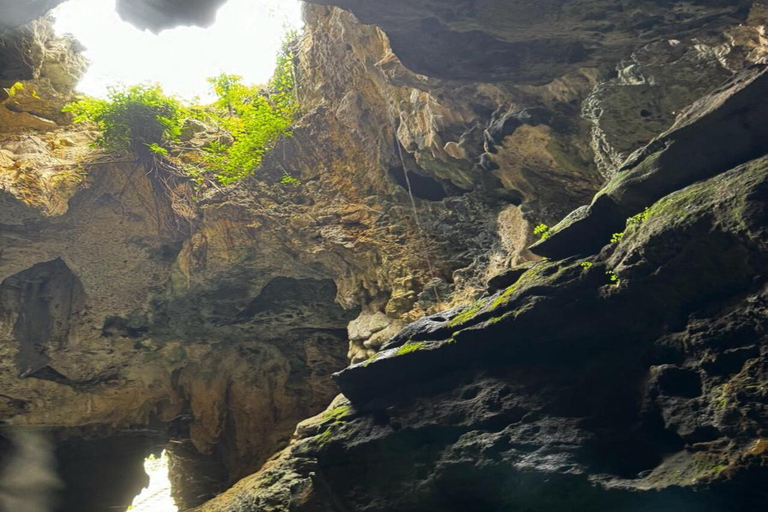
{"x": 156, "y": 497}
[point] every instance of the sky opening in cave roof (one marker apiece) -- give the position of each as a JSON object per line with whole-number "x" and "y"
{"x": 244, "y": 40}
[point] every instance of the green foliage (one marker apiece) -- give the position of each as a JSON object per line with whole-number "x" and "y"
{"x": 632, "y": 224}
{"x": 542, "y": 231}
{"x": 287, "y": 179}
{"x": 337, "y": 414}
{"x": 15, "y": 89}
{"x": 411, "y": 346}
{"x": 613, "y": 277}
{"x": 637, "y": 220}
{"x": 138, "y": 118}
{"x": 255, "y": 117}
{"x": 157, "y": 149}
{"x": 586, "y": 265}
{"x": 145, "y": 121}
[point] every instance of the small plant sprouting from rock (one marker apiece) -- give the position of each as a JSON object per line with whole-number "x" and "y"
{"x": 586, "y": 265}
{"x": 18, "y": 87}
{"x": 613, "y": 277}
{"x": 15, "y": 89}
{"x": 542, "y": 231}
{"x": 287, "y": 179}
{"x": 633, "y": 223}
{"x": 640, "y": 218}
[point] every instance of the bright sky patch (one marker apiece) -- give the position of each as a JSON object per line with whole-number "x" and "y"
{"x": 244, "y": 41}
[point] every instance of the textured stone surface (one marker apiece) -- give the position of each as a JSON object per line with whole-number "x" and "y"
{"x": 217, "y": 323}
{"x": 720, "y": 130}
{"x": 566, "y": 390}
{"x": 46, "y": 67}
{"x": 526, "y": 42}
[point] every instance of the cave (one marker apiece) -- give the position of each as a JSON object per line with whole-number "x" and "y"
{"x": 75, "y": 471}
{"x": 401, "y": 256}
{"x": 36, "y": 307}
{"x": 101, "y": 474}
{"x": 424, "y": 187}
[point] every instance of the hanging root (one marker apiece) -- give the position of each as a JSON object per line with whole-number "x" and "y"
{"x": 173, "y": 188}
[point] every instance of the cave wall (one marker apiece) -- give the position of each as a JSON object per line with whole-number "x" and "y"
{"x": 221, "y": 321}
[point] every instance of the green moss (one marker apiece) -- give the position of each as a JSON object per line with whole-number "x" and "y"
{"x": 371, "y": 359}
{"x": 324, "y": 437}
{"x": 337, "y": 414}
{"x": 496, "y": 319}
{"x": 542, "y": 273}
{"x": 411, "y": 346}
{"x": 468, "y": 314}
{"x": 619, "y": 180}
{"x": 676, "y": 207}
{"x": 707, "y": 465}
{"x": 722, "y": 401}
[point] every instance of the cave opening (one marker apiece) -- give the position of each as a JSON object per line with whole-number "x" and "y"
{"x": 99, "y": 474}
{"x": 243, "y": 39}
{"x": 424, "y": 187}
{"x": 36, "y": 309}
{"x": 156, "y": 496}
{"x": 73, "y": 470}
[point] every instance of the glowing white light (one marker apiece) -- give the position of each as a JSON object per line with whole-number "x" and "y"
{"x": 157, "y": 496}
{"x": 244, "y": 41}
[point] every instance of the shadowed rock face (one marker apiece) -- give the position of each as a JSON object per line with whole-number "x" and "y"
{"x": 157, "y": 15}
{"x": 631, "y": 380}
{"x": 218, "y": 323}
{"x": 529, "y": 42}
{"x": 13, "y": 14}
{"x": 39, "y": 303}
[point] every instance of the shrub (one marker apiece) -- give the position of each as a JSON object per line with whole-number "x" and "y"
{"x": 138, "y": 118}
{"x": 255, "y": 117}
{"x": 145, "y": 121}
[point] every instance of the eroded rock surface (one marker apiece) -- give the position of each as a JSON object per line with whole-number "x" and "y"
{"x": 567, "y": 389}
{"x": 428, "y": 150}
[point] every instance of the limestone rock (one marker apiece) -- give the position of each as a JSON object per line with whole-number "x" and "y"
{"x": 712, "y": 135}
{"x": 523, "y": 396}
{"x": 218, "y": 322}
{"x": 37, "y": 76}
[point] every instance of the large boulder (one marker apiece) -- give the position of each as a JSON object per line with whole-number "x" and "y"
{"x": 716, "y": 133}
